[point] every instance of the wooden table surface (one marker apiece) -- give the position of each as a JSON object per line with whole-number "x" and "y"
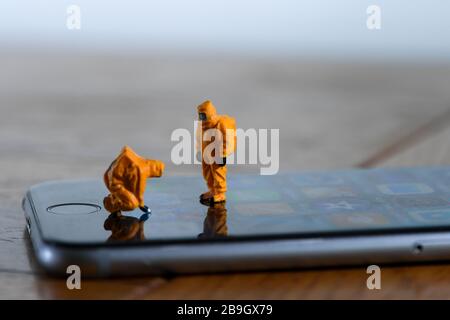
{"x": 66, "y": 115}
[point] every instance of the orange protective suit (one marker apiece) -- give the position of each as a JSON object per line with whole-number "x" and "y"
{"x": 215, "y": 173}
{"x": 126, "y": 179}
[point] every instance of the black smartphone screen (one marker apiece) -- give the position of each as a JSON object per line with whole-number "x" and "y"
{"x": 257, "y": 206}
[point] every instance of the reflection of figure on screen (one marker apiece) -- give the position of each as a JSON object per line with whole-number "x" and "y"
{"x": 125, "y": 228}
{"x": 215, "y": 224}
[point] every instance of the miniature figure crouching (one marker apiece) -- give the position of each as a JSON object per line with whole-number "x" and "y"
{"x": 126, "y": 180}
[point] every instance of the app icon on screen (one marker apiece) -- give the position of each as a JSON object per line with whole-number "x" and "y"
{"x": 411, "y": 202}
{"x": 358, "y": 219}
{"x": 431, "y": 216}
{"x": 314, "y": 179}
{"x": 328, "y": 192}
{"x": 405, "y": 188}
{"x": 254, "y": 195}
{"x": 271, "y": 208}
{"x": 343, "y": 205}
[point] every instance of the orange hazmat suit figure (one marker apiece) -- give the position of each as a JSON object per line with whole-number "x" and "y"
{"x": 126, "y": 180}
{"x": 217, "y": 140}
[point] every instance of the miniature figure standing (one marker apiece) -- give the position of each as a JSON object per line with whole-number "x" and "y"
{"x": 126, "y": 179}
{"x": 215, "y": 171}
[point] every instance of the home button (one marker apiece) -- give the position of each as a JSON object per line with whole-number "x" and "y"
{"x": 74, "y": 208}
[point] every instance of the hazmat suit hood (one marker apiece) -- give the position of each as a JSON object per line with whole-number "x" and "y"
{"x": 210, "y": 111}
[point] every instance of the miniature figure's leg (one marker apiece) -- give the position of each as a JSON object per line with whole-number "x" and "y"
{"x": 112, "y": 204}
{"x": 121, "y": 200}
{"x": 220, "y": 182}
{"x": 208, "y": 176}
{"x": 128, "y": 200}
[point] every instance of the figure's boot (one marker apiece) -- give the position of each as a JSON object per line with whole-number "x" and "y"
{"x": 205, "y": 196}
{"x": 146, "y": 209}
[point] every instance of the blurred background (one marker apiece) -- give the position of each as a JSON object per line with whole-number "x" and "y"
{"x": 134, "y": 71}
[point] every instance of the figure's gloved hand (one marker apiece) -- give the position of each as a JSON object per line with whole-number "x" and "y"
{"x": 224, "y": 162}
{"x": 120, "y": 199}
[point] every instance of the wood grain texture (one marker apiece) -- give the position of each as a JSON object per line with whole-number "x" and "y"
{"x": 435, "y": 150}
{"x": 66, "y": 116}
{"x": 411, "y": 282}
{"x": 31, "y": 286}
{"x": 425, "y": 145}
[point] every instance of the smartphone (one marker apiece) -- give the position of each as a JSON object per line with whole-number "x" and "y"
{"x": 295, "y": 220}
